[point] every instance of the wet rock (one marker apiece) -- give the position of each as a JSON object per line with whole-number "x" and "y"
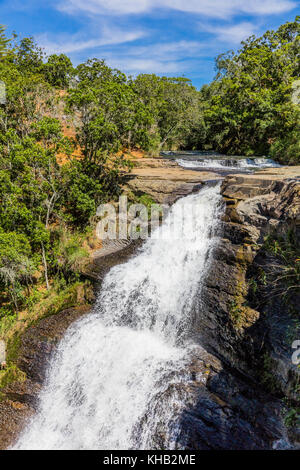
{"x": 18, "y": 401}
{"x": 164, "y": 180}
{"x": 224, "y": 322}
{"x": 229, "y": 412}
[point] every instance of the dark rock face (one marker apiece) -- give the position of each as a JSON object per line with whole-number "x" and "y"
{"x": 229, "y": 409}
{"x": 224, "y": 321}
{"x": 229, "y": 414}
{"x": 39, "y": 342}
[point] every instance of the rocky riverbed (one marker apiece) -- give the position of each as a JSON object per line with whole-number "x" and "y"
{"x": 232, "y": 408}
{"x": 164, "y": 180}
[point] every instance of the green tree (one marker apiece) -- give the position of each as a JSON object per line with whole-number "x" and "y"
{"x": 29, "y": 56}
{"x": 15, "y": 263}
{"x": 172, "y": 107}
{"x": 248, "y": 108}
{"x": 4, "y": 42}
{"x": 58, "y": 70}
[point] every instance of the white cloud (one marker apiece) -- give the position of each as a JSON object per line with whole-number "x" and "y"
{"x": 102, "y": 6}
{"x": 153, "y": 58}
{"x": 162, "y": 58}
{"x": 232, "y": 34}
{"x": 154, "y": 55}
{"x": 158, "y": 58}
{"x": 170, "y": 50}
{"x": 74, "y": 43}
{"x": 210, "y": 8}
{"x": 134, "y": 66}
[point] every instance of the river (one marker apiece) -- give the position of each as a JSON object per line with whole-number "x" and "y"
{"x": 112, "y": 383}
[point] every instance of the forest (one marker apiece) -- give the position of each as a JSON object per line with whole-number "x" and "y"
{"x": 53, "y": 179}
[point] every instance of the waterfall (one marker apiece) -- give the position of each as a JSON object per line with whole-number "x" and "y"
{"x": 114, "y": 382}
{"x": 229, "y": 163}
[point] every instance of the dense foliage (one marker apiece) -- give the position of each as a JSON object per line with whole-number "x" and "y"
{"x": 249, "y": 109}
{"x": 43, "y": 203}
{"x": 46, "y": 199}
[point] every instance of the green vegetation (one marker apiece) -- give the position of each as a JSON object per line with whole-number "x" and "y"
{"x": 146, "y": 201}
{"x": 277, "y": 273}
{"x": 292, "y": 414}
{"x": 282, "y": 276}
{"x": 267, "y": 377}
{"x": 9, "y": 375}
{"x": 45, "y": 205}
{"x": 39, "y": 304}
{"x": 51, "y": 180}
{"x": 4, "y": 41}
{"x": 236, "y": 314}
{"x": 248, "y": 109}
{"x": 292, "y": 418}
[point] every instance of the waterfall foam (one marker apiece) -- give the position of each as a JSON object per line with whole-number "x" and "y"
{"x": 229, "y": 163}
{"x": 114, "y": 382}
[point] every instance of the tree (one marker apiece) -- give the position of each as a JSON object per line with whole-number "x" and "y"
{"x": 15, "y": 263}
{"x": 58, "y": 70}
{"x": 172, "y": 104}
{"x": 29, "y": 56}
{"x": 4, "y": 42}
{"x": 249, "y": 107}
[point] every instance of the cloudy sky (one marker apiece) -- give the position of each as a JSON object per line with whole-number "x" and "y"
{"x": 167, "y": 37}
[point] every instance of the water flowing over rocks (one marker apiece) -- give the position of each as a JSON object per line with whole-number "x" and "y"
{"x": 228, "y": 163}
{"x": 212, "y": 397}
{"x": 243, "y": 337}
{"x": 19, "y": 399}
{"x": 164, "y": 180}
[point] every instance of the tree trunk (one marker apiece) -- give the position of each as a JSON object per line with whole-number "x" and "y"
{"x": 45, "y": 266}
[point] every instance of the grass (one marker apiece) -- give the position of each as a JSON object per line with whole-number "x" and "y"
{"x": 282, "y": 275}
{"x": 267, "y": 377}
{"x": 47, "y": 303}
{"x": 292, "y": 418}
{"x": 67, "y": 289}
{"x": 11, "y": 374}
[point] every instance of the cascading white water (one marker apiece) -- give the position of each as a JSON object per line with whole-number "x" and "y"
{"x": 114, "y": 382}
{"x": 229, "y": 163}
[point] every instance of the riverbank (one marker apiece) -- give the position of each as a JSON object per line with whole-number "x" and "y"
{"x": 164, "y": 180}
{"x": 19, "y": 399}
{"x": 251, "y": 311}
{"x": 35, "y": 336}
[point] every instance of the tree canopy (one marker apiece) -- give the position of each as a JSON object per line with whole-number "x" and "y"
{"x": 250, "y": 108}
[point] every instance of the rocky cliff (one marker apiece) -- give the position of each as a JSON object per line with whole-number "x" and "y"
{"x": 236, "y": 382}
{"x": 164, "y": 180}
{"x": 240, "y": 317}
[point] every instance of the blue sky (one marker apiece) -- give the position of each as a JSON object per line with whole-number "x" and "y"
{"x": 167, "y": 37}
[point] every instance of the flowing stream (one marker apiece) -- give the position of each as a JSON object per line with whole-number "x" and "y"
{"x": 114, "y": 382}
{"x": 228, "y": 163}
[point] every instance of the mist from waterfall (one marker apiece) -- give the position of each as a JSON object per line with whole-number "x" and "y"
{"x": 114, "y": 382}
